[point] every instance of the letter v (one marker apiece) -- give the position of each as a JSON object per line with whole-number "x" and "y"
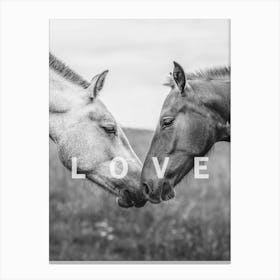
{"x": 160, "y": 171}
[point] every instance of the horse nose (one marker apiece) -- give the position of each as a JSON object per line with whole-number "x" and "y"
{"x": 151, "y": 193}
{"x": 133, "y": 198}
{"x": 147, "y": 189}
{"x": 167, "y": 191}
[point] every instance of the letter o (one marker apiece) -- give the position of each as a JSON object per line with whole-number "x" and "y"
{"x": 113, "y": 167}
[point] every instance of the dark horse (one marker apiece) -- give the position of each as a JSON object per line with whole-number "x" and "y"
{"x": 195, "y": 115}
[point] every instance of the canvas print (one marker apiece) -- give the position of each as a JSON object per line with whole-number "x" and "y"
{"x": 139, "y": 149}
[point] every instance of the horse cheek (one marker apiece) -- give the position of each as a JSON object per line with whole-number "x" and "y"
{"x": 195, "y": 137}
{"x": 84, "y": 145}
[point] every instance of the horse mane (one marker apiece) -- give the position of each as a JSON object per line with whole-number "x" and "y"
{"x": 213, "y": 73}
{"x": 66, "y": 72}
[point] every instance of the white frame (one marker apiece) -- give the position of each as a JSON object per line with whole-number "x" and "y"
{"x": 255, "y": 138}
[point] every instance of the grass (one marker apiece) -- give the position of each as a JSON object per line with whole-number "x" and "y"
{"x": 86, "y": 223}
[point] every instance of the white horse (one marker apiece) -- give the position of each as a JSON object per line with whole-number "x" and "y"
{"x": 83, "y": 128}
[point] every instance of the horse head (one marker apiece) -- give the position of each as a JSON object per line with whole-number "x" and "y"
{"x": 193, "y": 117}
{"x": 82, "y": 127}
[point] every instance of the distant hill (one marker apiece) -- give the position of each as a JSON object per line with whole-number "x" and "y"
{"x": 140, "y": 140}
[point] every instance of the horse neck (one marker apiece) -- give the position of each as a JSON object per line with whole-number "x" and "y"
{"x": 221, "y": 99}
{"x": 63, "y": 97}
{"x": 215, "y": 96}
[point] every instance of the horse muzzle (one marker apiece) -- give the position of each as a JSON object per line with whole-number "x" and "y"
{"x": 163, "y": 192}
{"x": 129, "y": 199}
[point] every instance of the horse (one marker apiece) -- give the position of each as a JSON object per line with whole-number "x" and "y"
{"x": 83, "y": 128}
{"x": 195, "y": 115}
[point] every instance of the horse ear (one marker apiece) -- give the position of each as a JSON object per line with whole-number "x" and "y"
{"x": 179, "y": 76}
{"x": 97, "y": 83}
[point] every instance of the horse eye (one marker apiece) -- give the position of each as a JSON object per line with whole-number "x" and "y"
{"x": 110, "y": 129}
{"x": 167, "y": 122}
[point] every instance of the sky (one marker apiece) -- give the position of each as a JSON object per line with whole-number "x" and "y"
{"x": 139, "y": 55}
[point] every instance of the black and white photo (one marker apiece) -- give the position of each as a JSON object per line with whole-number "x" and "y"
{"x": 139, "y": 116}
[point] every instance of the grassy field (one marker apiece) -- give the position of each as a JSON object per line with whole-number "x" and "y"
{"x": 86, "y": 223}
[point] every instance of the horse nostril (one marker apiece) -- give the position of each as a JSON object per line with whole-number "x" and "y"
{"x": 146, "y": 189}
{"x": 126, "y": 195}
{"x": 126, "y": 192}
